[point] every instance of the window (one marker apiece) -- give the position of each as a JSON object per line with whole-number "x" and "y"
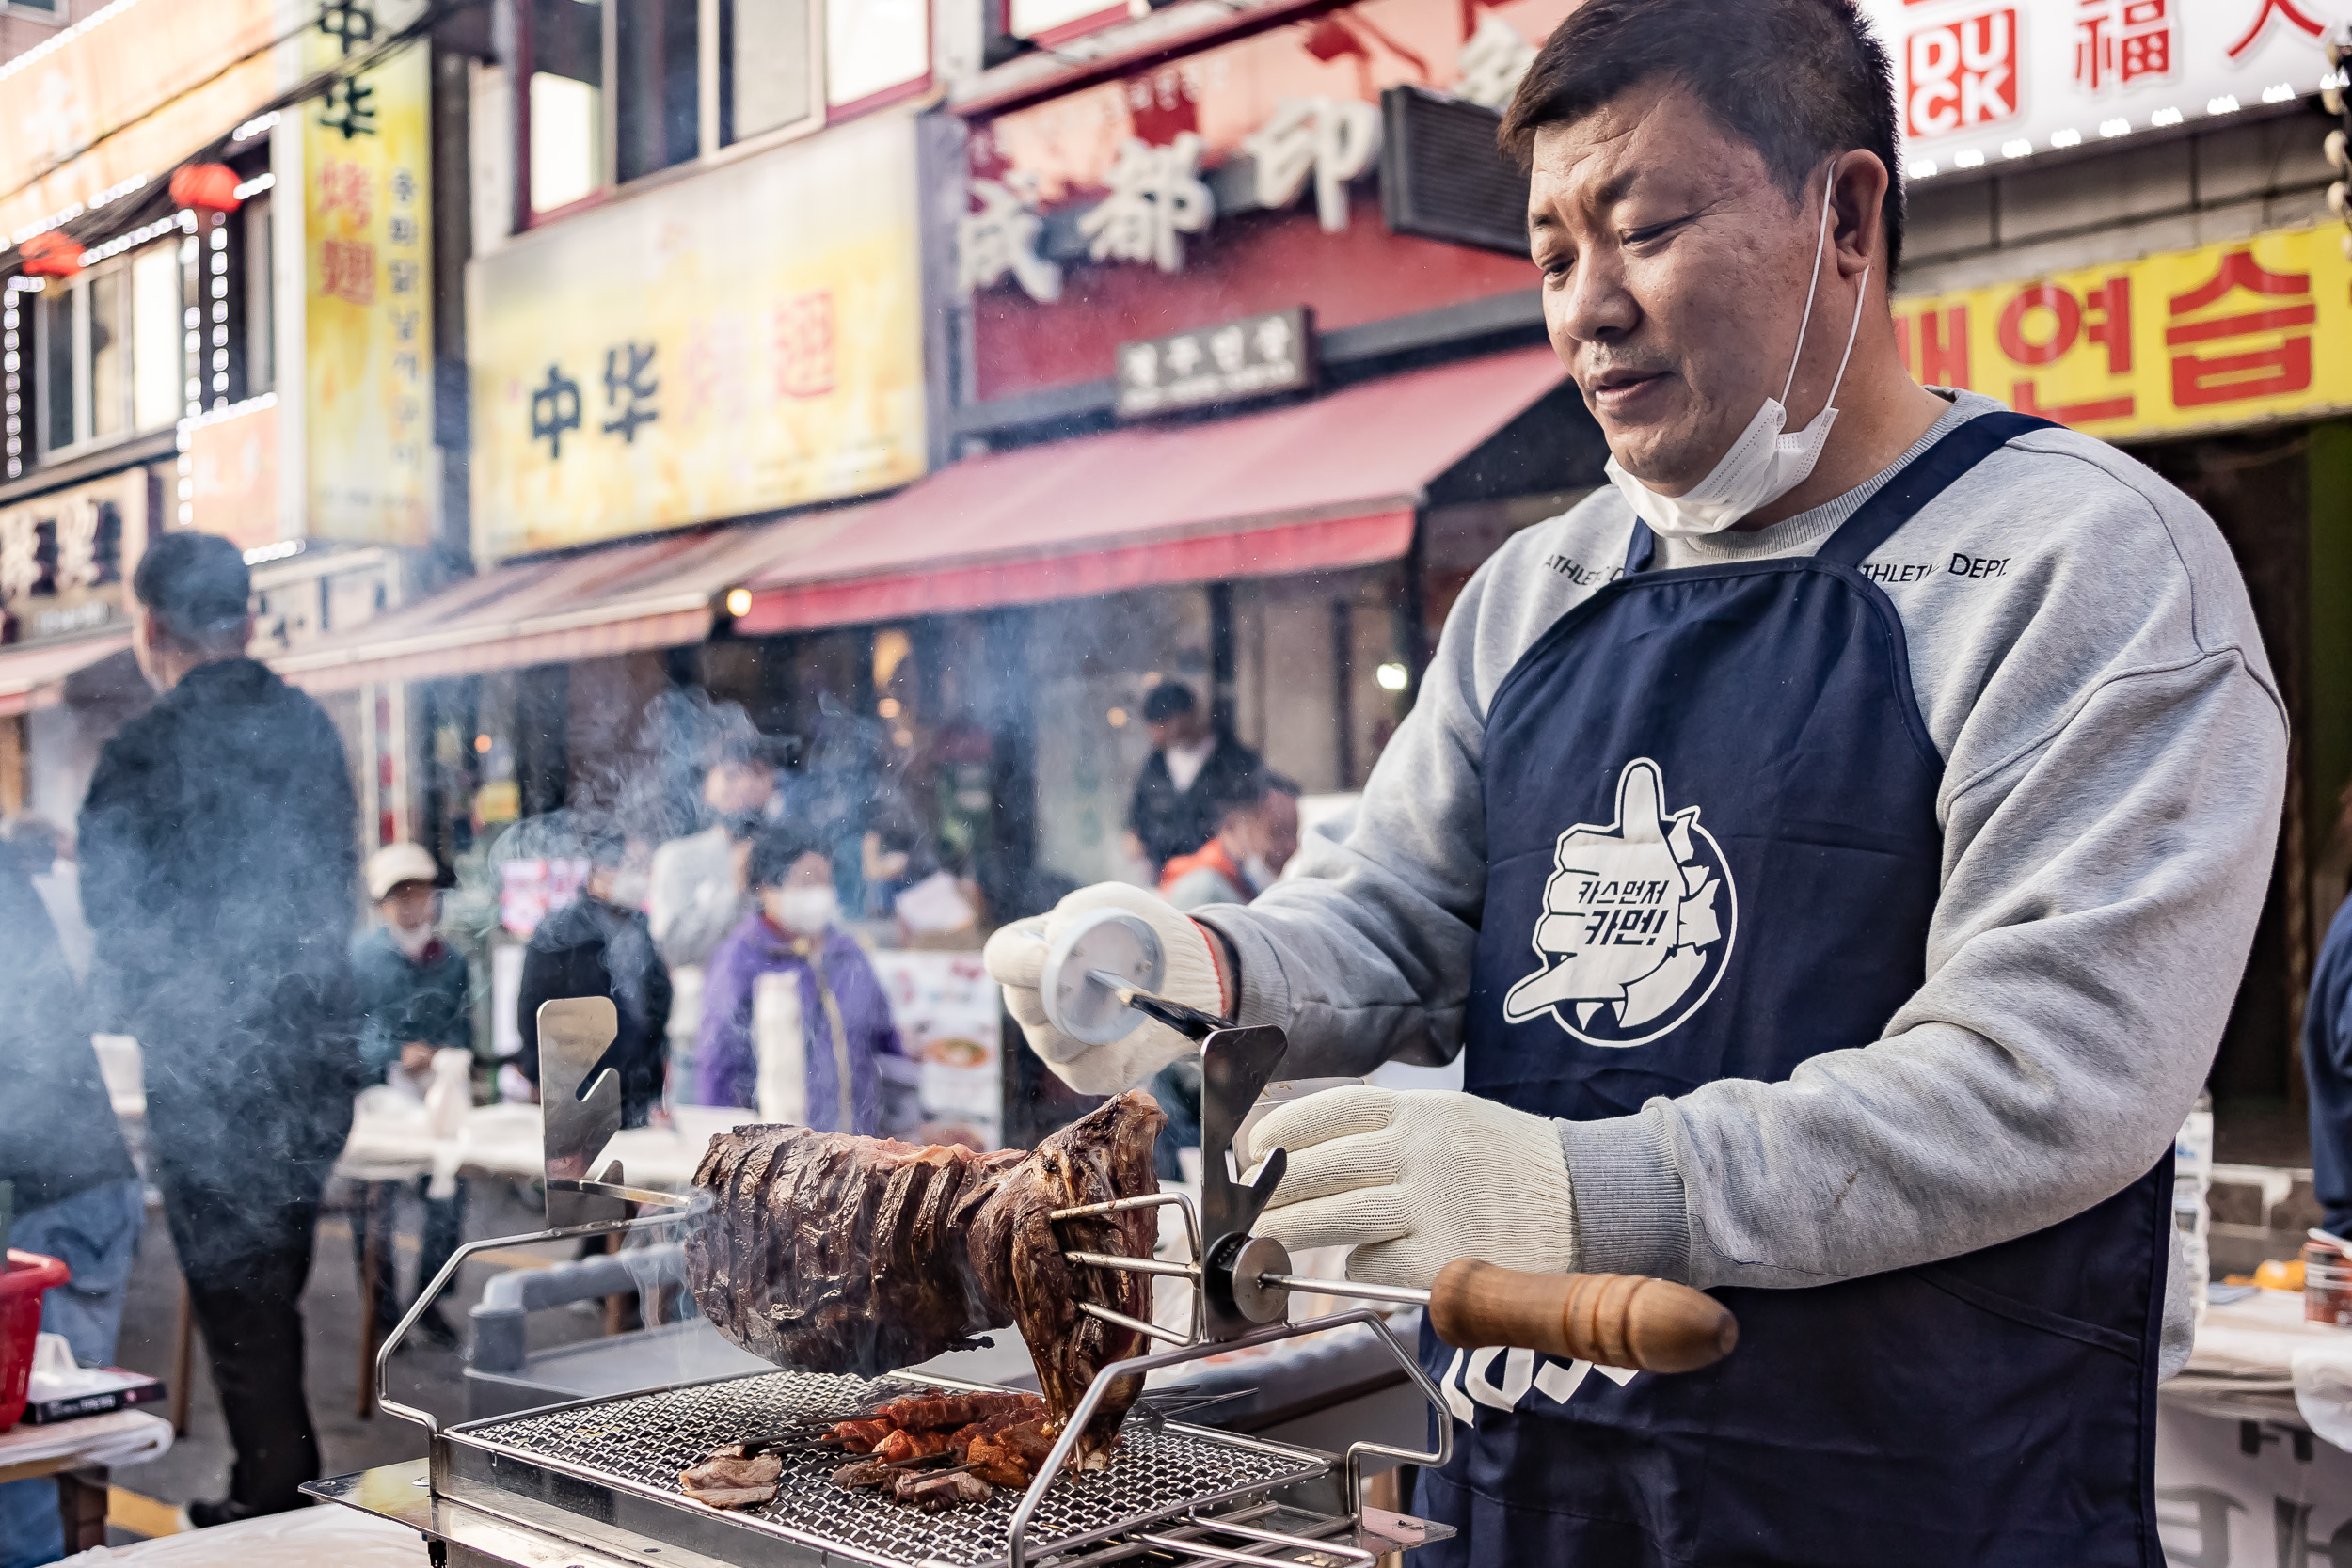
{"x": 875, "y": 49}
{"x": 1050, "y": 22}
{"x": 261, "y": 296}
{"x": 765, "y": 80}
{"x": 620, "y": 89}
{"x": 108, "y": 351}
{"x": 566, "y": 102}
{"x": 660, "y": 54}
{"x": 155, "y": 392}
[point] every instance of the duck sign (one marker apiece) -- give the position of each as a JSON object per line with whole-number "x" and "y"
{"x": 1638, "y": 921}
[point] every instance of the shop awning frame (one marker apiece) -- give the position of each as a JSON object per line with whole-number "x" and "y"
{"x": 1326, "y": 484}
{"x": 647, "y": 594}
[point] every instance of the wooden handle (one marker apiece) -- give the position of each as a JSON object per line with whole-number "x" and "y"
{"x": 1613, "y": 1320}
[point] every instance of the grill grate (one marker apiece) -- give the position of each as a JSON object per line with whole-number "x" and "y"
{"x": 643, "y": 1440}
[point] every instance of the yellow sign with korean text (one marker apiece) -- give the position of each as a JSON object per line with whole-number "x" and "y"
{"x": 2227, "y": 334}
{"x": 740, "y": 342}
{"x": 368, "y": 347}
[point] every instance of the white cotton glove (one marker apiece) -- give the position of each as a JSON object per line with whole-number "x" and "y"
{"x": 1414, "y": 1179}
{"x": 1015, "y": 956}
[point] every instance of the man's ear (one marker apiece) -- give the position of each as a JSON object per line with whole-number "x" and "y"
{"x": 1858, "y": 186}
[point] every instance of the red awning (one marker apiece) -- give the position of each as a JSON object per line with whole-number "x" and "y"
{"x": 655, "y": 594}
{"x": 35, "y": 677}
{"x": 1317, "y": 485}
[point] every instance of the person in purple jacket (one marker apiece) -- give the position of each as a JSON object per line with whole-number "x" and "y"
{"x": 794, "y": 933}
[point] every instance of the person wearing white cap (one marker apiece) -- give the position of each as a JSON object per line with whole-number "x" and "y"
{"x": 414, "y": 1001}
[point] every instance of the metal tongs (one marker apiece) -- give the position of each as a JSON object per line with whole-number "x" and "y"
{"x": 1100, "y": 982}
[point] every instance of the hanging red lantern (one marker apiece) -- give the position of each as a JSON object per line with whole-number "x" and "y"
{"x": 206, "y": 187}
{"x": 56, "y": 254}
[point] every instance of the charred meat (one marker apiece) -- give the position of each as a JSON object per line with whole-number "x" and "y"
{"x": 841, "y": 1254}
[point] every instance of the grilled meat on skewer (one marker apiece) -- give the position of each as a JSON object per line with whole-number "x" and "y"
{"x": 836, "y": 1253}
{"x": 934, "y": 1491}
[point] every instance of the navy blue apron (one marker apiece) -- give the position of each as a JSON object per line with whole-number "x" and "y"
{"x": 1712, "y": 853}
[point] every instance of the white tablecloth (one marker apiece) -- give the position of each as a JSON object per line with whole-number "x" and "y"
{"x": 118, "y": 1438}
{"x": 391, "y": 1142}
{"x": 306, "y": 1538}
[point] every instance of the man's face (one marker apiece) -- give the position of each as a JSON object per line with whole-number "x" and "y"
{"x": 732, "y": 789}
{"x": 1675, "y": 276}
{"x": 1178, "y": 729}
{"x": 410, "y": 906}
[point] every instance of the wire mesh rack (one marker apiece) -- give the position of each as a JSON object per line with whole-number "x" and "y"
{"x": 639, "y": 1442}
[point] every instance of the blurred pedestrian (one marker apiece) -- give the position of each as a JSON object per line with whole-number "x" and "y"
{"x": 1192, "y": 759}
{"x": 1257, "y": 833}
{"x": 790, "y": 959}
{"x": 600, "y": 945}
{"x": 219, "y": 856}
{"x": 76, "y": 1195}
{"x": 413, "y": 1001}
{"x": 698, "y": 893}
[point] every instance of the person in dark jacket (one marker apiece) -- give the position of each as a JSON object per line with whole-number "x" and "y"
{"x": 1193, "y": 763}
{"x": 2327, "y": 1068}
{"x": 75, "y": 1194}
{"x": 413, "y": 1002}
{"x": 601, "y": 945}
{"x": 794, "y": 936}
{"x": 219, "y": 859}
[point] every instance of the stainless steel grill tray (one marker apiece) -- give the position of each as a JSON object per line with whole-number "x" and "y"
{"x": 614, "y": 1462}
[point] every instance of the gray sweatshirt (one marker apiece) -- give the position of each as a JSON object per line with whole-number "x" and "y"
{"x": 2114, "y": 746}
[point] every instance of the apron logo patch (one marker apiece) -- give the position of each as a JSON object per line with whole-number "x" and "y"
{"x": 1638, "y": 919}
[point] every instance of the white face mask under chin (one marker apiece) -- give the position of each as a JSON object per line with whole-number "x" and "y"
{"x": 1763, "y": 464}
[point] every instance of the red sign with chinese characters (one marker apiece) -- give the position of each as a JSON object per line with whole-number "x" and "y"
{"x": 1230, "y": 183}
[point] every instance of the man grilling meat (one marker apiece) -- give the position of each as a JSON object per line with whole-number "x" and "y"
{"x": 1818, "y": 923}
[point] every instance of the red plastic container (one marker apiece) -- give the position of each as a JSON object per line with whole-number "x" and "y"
{"x": 28, "y": 1275}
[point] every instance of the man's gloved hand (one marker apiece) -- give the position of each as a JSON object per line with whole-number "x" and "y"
{"x": 1414, "y": 1179}
{"x": 1016, "y": 956}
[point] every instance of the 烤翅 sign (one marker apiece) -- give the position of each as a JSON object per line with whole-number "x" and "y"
{"x": 2223, "y": 335}
{"x": 1981, "y": 80}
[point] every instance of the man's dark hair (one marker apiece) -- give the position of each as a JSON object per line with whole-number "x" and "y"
{"x": 1244, "y": 789}
{"x": 1800, "y": 81}
{"x": 196, "y": 587}
{"x": 775, "y": 852}
{"x": 1165, "y": 700}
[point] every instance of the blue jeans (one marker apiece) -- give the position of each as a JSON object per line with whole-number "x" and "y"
{"x": 96, "y": 1234}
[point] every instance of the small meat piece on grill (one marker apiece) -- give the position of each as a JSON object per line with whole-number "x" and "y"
{"x": 936, "y": 1410}
{"x": 1012, "y": 1456}
{"x": 961, "y": 1440}
{"x": 841, "y": 1254}
{"x": 865, "y": 1474}
{"x": 863, "y": 1437}
{"x": 910, "y": 1445}
{"x": 727, "y": 1480}
{"x": 934, "y": 1493}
